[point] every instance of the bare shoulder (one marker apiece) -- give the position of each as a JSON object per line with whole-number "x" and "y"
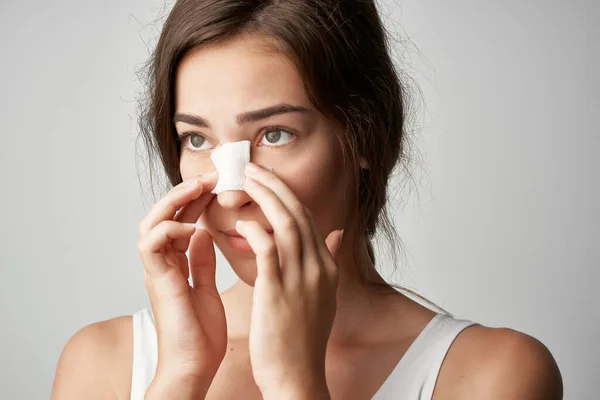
{"x": 96, "y": 362}
{"x": 498, "y": 363}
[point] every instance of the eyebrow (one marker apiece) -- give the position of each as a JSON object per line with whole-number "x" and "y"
{"x": 250, "y": 116}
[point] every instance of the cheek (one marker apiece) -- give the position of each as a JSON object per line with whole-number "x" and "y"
{"x": 195, "y": 164}
{"x": 317, "y": 180}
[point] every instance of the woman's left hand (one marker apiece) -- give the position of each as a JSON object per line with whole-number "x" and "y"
{"x": 294, "y": 300}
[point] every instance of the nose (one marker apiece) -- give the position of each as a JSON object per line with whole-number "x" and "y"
{"x": 234, "y": 199}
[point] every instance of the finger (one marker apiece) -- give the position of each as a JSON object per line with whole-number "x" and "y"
{"x": 152, "y": 245}
{"x": 203, "y": 264}
{"x": 267, "y": 259}
{"x": 292, "y": 203}
{"x": 150, "y": 290}
{"x": 167, "y": 207}
{"x": 192, "y": 210}
{"x": 328, "y": 249}
{"x": 155, "y": 298}
{"x": 333, "y": 244}
{"x": 148, "y": 284}
{"x": 190, "y": 213}
{"x": 285, "y": 230}
{"x": 177, "y": 258}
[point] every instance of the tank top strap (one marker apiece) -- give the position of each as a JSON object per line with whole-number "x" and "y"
{"x": 145, "y": 352}
{"x": 416, "y": 374}
{"x": 440, "y": 338}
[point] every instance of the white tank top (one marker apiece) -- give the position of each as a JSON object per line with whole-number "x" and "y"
{"x": 413, "y": 377}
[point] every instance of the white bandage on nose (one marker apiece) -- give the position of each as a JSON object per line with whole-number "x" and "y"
{"x": 230, "y": 159}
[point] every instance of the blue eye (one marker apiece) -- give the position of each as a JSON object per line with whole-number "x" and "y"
{"x": 274, "y": 136}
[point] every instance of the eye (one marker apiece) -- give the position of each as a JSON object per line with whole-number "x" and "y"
{"x": 195, "y": 141}
{"x": 274, "y": 135}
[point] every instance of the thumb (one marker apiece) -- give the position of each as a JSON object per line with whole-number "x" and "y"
{"x": 202, "y": 260}
{"x": 334, "y": 242}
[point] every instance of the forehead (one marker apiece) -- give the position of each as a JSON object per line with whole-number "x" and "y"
{"x": 243, "y": 73}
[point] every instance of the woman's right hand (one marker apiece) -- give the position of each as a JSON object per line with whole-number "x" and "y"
{"x": 190, "y": 320}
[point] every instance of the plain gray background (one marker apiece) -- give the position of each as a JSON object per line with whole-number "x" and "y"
{"x": 502, "y": 230}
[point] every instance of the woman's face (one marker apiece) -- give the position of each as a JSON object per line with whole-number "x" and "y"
{"x": 222, "y": 82}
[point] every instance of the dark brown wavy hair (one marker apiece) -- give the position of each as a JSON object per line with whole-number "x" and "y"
{"x": 342, "y": 51}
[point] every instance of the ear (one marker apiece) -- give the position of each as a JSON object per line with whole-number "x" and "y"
{"x": 363, "y": 163}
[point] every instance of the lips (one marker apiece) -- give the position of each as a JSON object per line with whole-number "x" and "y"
{"x": 239, "y": 243}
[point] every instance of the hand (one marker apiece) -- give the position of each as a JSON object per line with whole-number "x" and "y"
{"x": 190, "y": 320}
{"x": 294, "y": 300}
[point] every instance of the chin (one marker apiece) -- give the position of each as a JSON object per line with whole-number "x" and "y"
{"x": 242, "y": 263}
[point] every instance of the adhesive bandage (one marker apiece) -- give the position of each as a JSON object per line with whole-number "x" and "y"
{"x": 230, "y": 159}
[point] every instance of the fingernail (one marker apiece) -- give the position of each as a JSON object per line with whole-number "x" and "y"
{"x": 192, "y": 182}
{"x": 341, "y": 236}
{"x": 252, "y": 167}
{"x": 213, "y": 173}
{"x": 265, "y": 167}
{"x": 238, "y": 223}
{"x": 250, "y": 181}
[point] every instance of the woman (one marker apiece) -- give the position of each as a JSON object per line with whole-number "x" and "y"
{"x": 311, "y": 85}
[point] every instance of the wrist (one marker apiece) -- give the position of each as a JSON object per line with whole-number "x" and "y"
{"x": 177, "y": 388}
{"x": 317, "y": 391}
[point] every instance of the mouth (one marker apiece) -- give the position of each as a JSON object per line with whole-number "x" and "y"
{"x": 239, "y": 243}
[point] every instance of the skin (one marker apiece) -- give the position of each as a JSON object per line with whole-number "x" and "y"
{"x": 354, "y": 353}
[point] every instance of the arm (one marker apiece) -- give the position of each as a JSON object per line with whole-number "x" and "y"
{"x": 525, "y": 369}
{"x": 507, "y": 364}
{"x": 82, "y": 370}
{"x": 177, "y": 389}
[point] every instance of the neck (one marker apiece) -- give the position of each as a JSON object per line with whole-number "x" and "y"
{"x": 356, "y": 300}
